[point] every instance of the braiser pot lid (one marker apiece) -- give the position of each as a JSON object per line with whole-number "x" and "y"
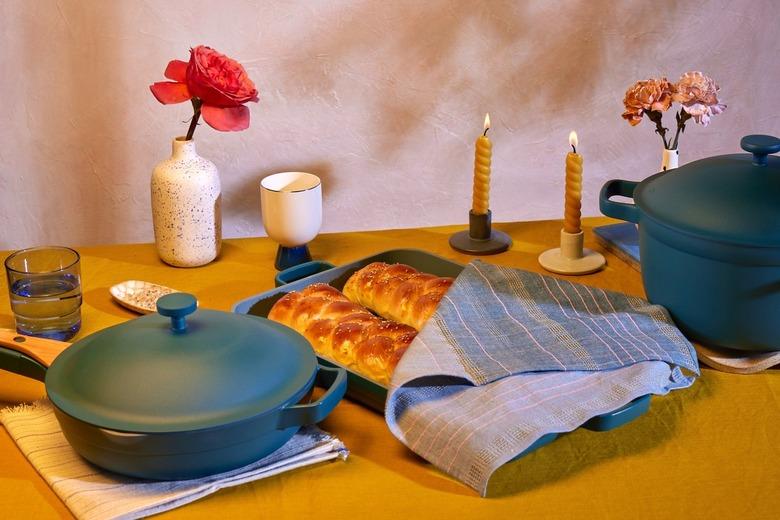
{"x": 728, "y": 198}
{"x": 181, "y": 370}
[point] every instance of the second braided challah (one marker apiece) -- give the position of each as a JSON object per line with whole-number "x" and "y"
{"x": 397, "y": 292}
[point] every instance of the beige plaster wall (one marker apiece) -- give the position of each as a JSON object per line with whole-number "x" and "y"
{"x": 382, "y": 99}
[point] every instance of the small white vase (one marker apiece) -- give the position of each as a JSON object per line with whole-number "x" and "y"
{"x": 670, "y": 159}
{"x": 186, "y": 201}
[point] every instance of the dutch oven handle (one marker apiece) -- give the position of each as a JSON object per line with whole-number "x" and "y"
{"x": 619, "y": 210}
{"x": 310, "y": 413}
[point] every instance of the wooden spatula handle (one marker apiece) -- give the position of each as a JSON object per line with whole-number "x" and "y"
{"x": 41, "y": 350}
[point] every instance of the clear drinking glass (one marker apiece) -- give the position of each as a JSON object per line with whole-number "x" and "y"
{"x": 44, "y": 284}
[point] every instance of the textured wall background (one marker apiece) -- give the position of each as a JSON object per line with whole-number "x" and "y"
{"x": 383, "y": 100}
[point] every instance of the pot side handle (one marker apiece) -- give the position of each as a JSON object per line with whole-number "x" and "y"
{"x": 619, "y": 210}
{"x": 335, "y": 380}
{"x": 26, "y": 355}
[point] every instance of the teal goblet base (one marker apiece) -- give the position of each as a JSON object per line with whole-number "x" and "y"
{"x": 287, "y": 257}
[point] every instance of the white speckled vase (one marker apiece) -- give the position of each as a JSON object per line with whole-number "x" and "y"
{"x": 670, "y": 159}
{"x": 186, "y": 207}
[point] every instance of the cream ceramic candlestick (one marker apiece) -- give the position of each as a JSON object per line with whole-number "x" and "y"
{"x": 571, "y": 257}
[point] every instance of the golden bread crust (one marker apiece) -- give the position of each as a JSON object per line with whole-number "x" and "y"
{"x": 397, "y": 292}
{"x": 344, "y": 331}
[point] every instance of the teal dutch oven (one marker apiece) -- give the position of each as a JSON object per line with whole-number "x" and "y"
{"x": 709, "y": 243}
{"x": 180, "y": 394}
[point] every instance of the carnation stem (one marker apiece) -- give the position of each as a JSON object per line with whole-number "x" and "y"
{"x": 196, "y": 103}
{"x": 655, "y": 117}
{"x": 682, "y": 117}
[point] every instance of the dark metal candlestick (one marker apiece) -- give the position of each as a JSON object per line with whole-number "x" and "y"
{"x": 480, "y": 239}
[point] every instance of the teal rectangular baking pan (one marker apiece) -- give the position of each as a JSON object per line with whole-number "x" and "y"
{"x": 367, "y": 391}
{"x": 359, "y": 388}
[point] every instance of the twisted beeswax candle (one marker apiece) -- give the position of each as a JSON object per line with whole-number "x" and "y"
{"x": 571, "y": 219}
{"x": 482, "y": 155}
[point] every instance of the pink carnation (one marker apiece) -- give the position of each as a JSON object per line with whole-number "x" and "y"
{"x": 698, "y": 95}
{"x": 644, "y": 96}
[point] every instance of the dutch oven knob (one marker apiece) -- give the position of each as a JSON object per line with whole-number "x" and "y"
{"x": 176, "y": 306}
{"x": 760, "y": 146}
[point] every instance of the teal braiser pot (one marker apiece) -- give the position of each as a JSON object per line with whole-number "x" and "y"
{"x": 709, "y": 242}
{"x": 180, "y": 394}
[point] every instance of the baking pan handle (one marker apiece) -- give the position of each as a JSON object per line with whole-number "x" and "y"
{"x": 296, "y": 272}
{"x": 619, "y": 417}
{"x": 335, "y": 380}
{"x": 619, "y": 210}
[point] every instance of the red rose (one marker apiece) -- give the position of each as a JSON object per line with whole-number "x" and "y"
{"x": 220, "y": 83}
{"x": 218, "y": 80}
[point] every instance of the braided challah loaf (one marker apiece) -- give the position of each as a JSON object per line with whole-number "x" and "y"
{"x": 397, "y": 292}
{"x": 344, "y": 331}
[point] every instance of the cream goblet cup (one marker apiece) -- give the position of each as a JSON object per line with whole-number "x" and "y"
{"x": 291, "y": 204}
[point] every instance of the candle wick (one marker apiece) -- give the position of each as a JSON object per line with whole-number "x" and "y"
{"x": 484, "y": 134}
{"x": 574, "y": 148}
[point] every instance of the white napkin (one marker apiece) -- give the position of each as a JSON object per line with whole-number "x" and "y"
{"x": 92, "y": 493}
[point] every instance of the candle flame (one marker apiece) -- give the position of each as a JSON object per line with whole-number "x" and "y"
{"x": 573, "y": 139}
{"x": 487, "y": 121}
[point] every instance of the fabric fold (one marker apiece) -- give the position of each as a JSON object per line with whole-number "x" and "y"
{"x": 512, "y": 355}
{"x": 92, "y": 493}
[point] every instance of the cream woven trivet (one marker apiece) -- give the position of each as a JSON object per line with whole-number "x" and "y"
{"x": 737, "y": 361}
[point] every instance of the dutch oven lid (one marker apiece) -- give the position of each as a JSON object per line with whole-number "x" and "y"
{"x": 728, "y": 198}
{"x": 181, "y": 370}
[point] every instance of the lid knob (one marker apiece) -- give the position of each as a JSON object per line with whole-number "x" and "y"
{"x": 760, "y": 146}
{"x": 176, "y": 306}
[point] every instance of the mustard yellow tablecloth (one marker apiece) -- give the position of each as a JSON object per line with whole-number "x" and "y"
{"x": 707, "y": 452}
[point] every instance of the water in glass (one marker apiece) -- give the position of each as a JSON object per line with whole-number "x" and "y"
{"x": 47, "y": 306}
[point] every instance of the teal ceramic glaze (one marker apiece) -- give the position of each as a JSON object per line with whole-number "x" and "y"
{"x": 18, "y": 363}
{"x": 197, "y": 453}
{"x": 191, "y": 369}
{"x": 297, "y": 272}
{"x": 184, "y": 393}
{"x": 709, "y": 239}
{"x": 371, "y": 393}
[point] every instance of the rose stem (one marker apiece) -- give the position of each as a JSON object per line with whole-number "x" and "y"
{"x": 196, "y": 103}
{"x": 682, "y": 117}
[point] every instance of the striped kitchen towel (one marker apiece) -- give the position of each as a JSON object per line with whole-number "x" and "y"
{"x": 511, "y": 355}
{"x": 91, "y": 493}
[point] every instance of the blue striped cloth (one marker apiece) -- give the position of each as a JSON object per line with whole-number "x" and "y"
{"x": 511, "y": 355}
